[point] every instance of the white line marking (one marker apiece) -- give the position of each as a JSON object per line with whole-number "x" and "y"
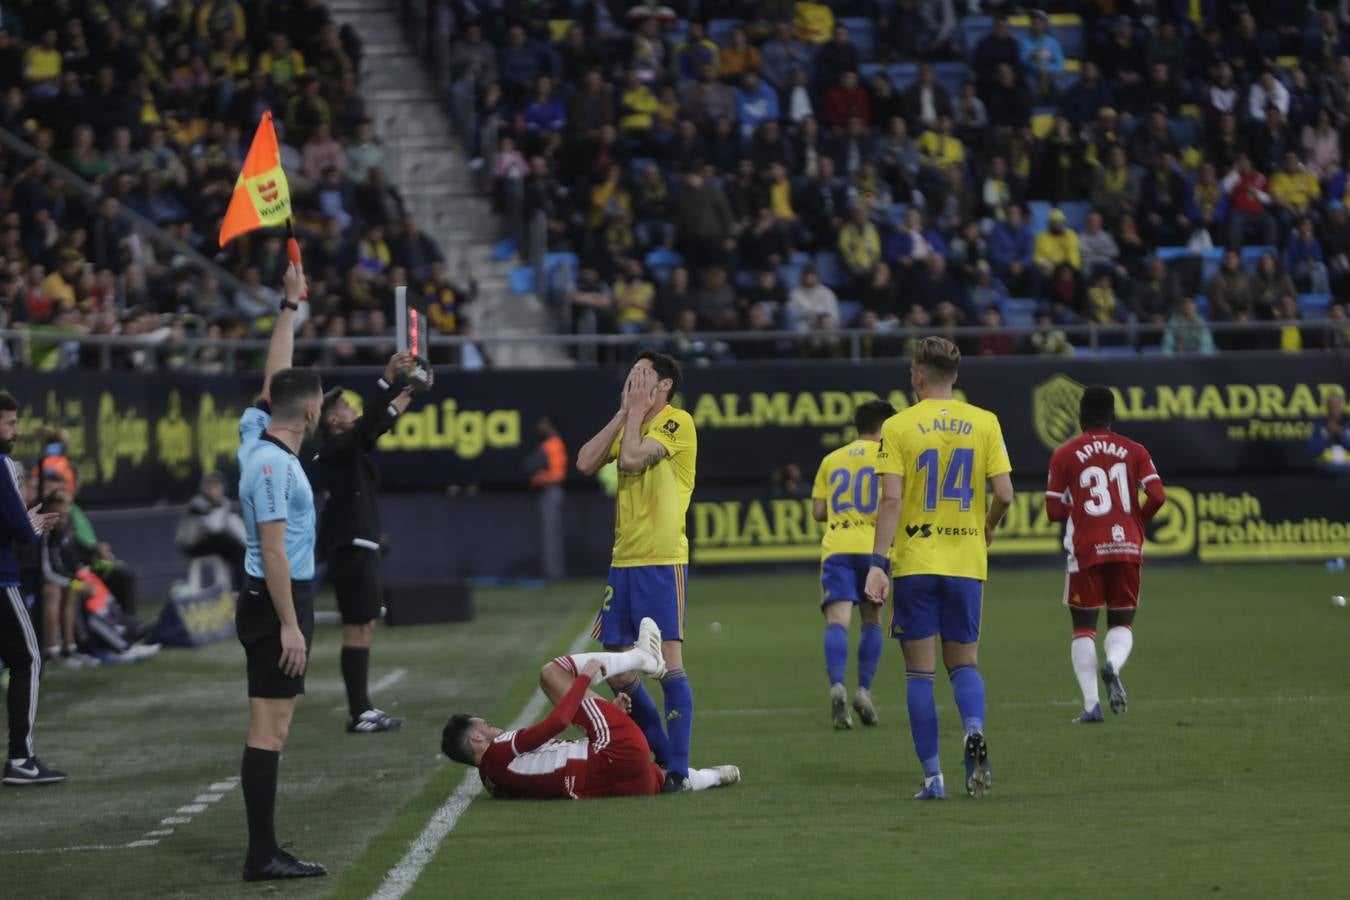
{"x": 192, "y": 808}
{"x": 1040, "y": 704}
{"x": 160, "y": 832}
{"x": 401, "y": 878}
{"x": 143, "y": 843}
{"x": 175, "y": 820}
{"x": 388, "y": 681}
{"x": 224, "y": 785}
{"x": 79, "y": 849}
{"x": 207, "y": 798}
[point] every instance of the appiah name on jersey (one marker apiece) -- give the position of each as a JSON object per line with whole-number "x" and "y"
{"x": 946, "y": 451}
{"x": 651, "y": 506}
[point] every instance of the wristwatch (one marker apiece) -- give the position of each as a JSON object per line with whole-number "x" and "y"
{"x": 286, "y": 304}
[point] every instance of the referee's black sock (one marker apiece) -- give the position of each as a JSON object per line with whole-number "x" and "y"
{"x": 258, "y": 777}
{"x": 356, "y": 673}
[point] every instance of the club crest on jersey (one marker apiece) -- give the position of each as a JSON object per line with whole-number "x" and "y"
{"x": 671, "y": 426}
{"x": 1117, "y": 533}
{"x": 1054, "y": 410}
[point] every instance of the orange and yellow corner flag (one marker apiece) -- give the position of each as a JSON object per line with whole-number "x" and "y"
{"x": 261, "y": 195}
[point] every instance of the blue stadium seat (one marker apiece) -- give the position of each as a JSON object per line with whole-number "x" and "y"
{"x": 1040, "y": 214}
{"x": 1313, "y": 306}
{"x": 831, "y": 268}
{"x": 636, "y": 165}
{"x": 745, "y": 279}
{"x": 1075, "y": 213}
{"x": 952, "y": 75}
{"x": 849, "y": 310}
{"x": 790, "y": 275}
{"x": 904, "y": 74}
{"x": 1202, "y": 305}
{"x": 661, "y": 260}
{"x": 896, "y": 214}
{"x": 719, "y": 30}
{"x": 555, "y": 261}
{"x": 521, "y": 279}
{"x": 1116, "y": 350}
{"x": 504, "y": 249}
{"x": 800, "y": 258}
{"x": 1251, "y": 256}
{"x": 1019, "y": 312}
{"x": 1070, "y": 40}
{"x": 973, "y": 30}
{"x": 862, "y": 33}
{"x": 1167, "y": 254}
{"x": 1185, "y": 131}
{"x": 675, "y": 32}
{"x": 867, "y": 70}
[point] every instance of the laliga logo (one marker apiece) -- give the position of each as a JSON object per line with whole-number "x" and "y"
{"x": 1054, "y": 410}
{"x": 268, "y": 191}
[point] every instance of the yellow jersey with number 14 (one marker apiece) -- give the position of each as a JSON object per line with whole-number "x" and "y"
{"x": 847, "y": 482}
{"x": 946, "y": 451}
{"x": 651, "y": 505}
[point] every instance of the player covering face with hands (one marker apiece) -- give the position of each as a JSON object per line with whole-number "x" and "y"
{"x": 613, "y": 760}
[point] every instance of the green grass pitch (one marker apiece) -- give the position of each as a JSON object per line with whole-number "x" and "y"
{"x": 1226, "y": 778}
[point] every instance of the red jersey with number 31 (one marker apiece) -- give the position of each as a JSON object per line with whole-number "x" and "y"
{"x": 1098, "y": 475}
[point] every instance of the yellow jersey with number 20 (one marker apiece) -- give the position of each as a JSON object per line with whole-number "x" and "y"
{"x": 946, "y": 451}
{"x": 651, "y": 505}
{"x": 847, "y": 481}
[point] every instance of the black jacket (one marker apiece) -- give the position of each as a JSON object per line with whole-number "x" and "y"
{"x": 350, "y": 479}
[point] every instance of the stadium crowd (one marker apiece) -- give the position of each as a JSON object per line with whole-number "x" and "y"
{"x": 805, "y": 166}
{"x": 154, "y": 104}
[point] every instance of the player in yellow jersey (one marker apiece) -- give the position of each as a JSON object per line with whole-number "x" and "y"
{"x": 656, "y": 447}
{"x": 935, "y": 460}
{"x": 845, "y": 497}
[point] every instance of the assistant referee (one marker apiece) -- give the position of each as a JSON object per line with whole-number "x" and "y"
{"x": 349, "y": 529}
{"x": 275, "y": 618}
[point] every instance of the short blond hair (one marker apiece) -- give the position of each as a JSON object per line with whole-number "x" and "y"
{"x": 939, "y": 356}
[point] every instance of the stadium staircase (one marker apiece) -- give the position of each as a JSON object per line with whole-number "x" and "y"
{"x": 426, "y": 164}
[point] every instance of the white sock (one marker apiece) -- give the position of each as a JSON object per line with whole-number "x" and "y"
{"x": 702, "y": 779}
{"x": 54, "y": 652}
{"x": 1118, "y": 644}
{"x": 614, "y": 663}
{"x": 1083, "y": 652}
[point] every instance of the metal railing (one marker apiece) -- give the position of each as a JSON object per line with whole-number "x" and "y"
{"x": 153, "y": 352}
{"x": 140, "y": 226}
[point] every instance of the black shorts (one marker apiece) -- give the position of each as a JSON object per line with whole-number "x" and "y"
{"x": 354, "y": 573}
{"x": 259, "y": 630}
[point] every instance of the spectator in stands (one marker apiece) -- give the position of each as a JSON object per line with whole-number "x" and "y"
{"x": 1000, "y": 343}
{"x": 1270, "y": 141}
{"x": 473, "y": 66}
{"x": 859, "y": 245}
{"x": 1048, "y": 340}
{"x": 882, "y": 300}
{"x": 1156, "y": 294}
{"x": 924, "y": 101}
{"x": 1090, "y": 93}
{"x": 899, "y": 158}
{"x": 782, "y": 55}
{"x": 61, "y": 589}
{"x": 706, "y": 99}
{"x": 1115, "y": 192}
{"x": 986, "y": 291}
{"x": 822, "y": 203}
{"x": 704, "y": 224}
{"x": 738, "y": 57}
{"x": 1097, "y": 246}
{"x": 811, "y": 305}
{"x": 576, "y": 56}
{"x": 1329, "y": 445}
{"x": 1187, "y": 332}
{"x": 936, "y": 38}
{"x": 1322, "y": 143}
{"x": 935, "y": 286}
{"x": 715, "y": 301}
{"x": 1303, "y": 258}
{"x": 845, "y": 100}
{"x": 1206, "y": 203}
{"x": 694, "y": 54}
{"x": 1042, "y": 57}
{"x": 998, "y": 48}
{"x": 592, "y": 302}
{"x": 1012, "y": 249}
{"x": 1221, "y": 96}
{"x": 1058, "y": 245}
{"x": 756, "y": 103}
{"x": 1230, "y": 290}
{"x": 1059, "y": 170}
{"x": 1122, "y": 57}
{"x": 970, "y": 117}
{"x": 835, "y": 57}
{"x": 211, "y": 527}
{"x": 1290, "y": 334}
{"x": 520, "y": 64}
{"x": 42, "y": 67}
{"x": 591, "y": 107}
{"x": 1008, "y": 102}
{"x": 1247, "y": 202}
{"x": 1293, "y": 191}
{"x": 634, "y": 299}
{"x": 913, "y": 242}
{"x": 1162, "y": 203}
{"x": 1267, "y": 91}
{"x": 1269, "y": 286}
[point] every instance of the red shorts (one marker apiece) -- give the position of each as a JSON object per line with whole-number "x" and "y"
{"x": 620, "y": 764}
{"x": 1113, "y": 585}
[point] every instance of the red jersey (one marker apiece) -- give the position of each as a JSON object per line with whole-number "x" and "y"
{"x": 1094, "y": 485}
{"x": 613, "y": 760}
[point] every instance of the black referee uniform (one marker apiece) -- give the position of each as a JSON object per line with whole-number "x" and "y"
{"x": 349, "y": 539}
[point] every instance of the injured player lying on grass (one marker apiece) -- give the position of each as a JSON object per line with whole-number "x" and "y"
{"x": 613, "y": 760}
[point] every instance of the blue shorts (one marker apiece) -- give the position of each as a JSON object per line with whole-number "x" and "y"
{"x": 639, "y": 592}
{"x": 926, "y": 605}
{"x": 843, "y": 578}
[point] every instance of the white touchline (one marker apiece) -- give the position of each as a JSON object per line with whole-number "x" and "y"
{"x": 384, "y": 683}
{"x": 401, "y": 878}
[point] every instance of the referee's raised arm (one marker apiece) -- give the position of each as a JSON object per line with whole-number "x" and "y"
{"x": 281, "y": 348}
